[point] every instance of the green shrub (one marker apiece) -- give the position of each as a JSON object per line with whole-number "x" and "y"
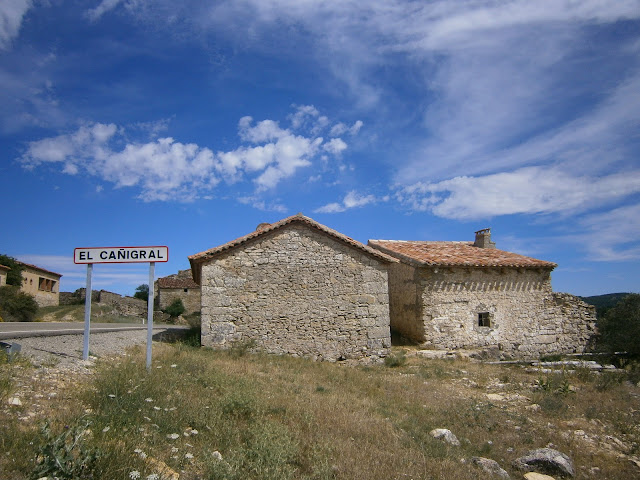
{"x": 16, "y": 306}
{"x": 175, "y": 309}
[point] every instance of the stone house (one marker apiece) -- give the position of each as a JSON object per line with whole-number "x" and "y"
{"x": 296, "y": 287}
{"x": 452, "y": 295}
{"x": 41, "y": 284}
{"x": 178, "y": 286}
{"x": 3, "y": 274}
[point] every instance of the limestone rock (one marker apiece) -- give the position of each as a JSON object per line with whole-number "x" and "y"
{"x": 445, "y": 435}
{"x": 537, "y": 476}
{"x": 547, "y": 460}
{"x": 490, "y": 466}
{"x": 15, "y": 401}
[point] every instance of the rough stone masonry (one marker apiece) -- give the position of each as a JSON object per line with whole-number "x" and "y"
{"x": 296, "y": 289}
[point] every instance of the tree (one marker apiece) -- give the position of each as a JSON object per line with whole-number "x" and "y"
{"x": 16, "y": 306}
{"x": 620, "y": 327}
{"x": 14, "y": 276}
{"x": 142, "y": 292}
{"x": 175, "y": 309}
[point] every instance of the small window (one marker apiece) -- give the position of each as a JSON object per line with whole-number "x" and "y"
{"x": 484, "y": 319}
{"x": 186, "y": 290}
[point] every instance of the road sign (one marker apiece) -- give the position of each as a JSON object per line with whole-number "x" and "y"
{"x": 92, "y": 255}
{"x": 121, "y": 255}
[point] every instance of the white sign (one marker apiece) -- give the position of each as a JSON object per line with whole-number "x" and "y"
{"x": 121, "y": 255}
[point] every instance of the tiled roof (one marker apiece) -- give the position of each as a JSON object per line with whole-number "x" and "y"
{"x": 4, "y": 267}
{"x": 455, "y": 254}
{"x": 40, "y": 269}
{"x": 176, "y": 282}
{"x": 199, "y": 258}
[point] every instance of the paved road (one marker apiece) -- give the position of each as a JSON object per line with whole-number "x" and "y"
{"x": 49, "y": 329}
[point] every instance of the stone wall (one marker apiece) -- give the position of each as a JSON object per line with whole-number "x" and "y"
{"x": 297, "y": 291}
{"x": 123, "y": 305}
{"x": 525, "y": 318}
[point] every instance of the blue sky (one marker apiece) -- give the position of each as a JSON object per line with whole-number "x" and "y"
{"x": 186, "y": 124}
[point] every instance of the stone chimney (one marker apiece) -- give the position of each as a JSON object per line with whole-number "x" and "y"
{"x": 483, "y": 239}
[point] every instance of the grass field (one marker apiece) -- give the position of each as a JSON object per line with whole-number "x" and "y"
{"x": 204, "y": 414}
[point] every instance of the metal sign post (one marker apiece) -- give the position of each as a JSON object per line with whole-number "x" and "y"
{"x": 92, "y": 255}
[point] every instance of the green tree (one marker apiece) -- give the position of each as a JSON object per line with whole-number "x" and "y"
{"x": 620, "y": 327}
{"x": 14, "y": 276}
{"x": 142, "y": 291}
{"x": 175, "y": 309}
{"x": 16, "y": 306}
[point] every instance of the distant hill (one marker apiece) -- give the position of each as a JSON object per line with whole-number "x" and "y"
{"x": 604, "y": 302}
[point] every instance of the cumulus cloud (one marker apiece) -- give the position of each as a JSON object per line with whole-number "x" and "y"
{"x": 11, "y": 14}
{"x": 351, "y": 200}
{"x": 168, "y": 170}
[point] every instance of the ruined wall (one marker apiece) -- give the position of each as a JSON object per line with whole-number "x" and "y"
{"x": 297, "y": 291}
{"x": 123, "y": 305}
{"x": 525, "y": 318}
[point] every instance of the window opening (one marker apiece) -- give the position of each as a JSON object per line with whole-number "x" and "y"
{"x": 484, "y": 319}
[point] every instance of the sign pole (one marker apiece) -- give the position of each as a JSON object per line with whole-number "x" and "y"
{"x": 152, "y": 266}
{"x": 87, "y": 313}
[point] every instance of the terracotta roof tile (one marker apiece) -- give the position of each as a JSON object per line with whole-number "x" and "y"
{"x": 455, "y": 254}
{"x": 35, "y": 267}
{"x": 199, "y": 258}
{"x": 176, "y": 282}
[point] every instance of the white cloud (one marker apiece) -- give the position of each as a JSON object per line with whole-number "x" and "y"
{"x": 105, "y": 6}
{"x": 11, "y": 14}
{"x": 335, "y": 146}
{"x": 168, "y": 170}
{"x": 613, "y": 235}
{"x": 351, "y": 200}
{"x": 529, "y": 190}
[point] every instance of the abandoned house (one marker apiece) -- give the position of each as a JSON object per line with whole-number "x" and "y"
{"x": 179, "y": 286}
{"x": 452, "y": 295}
{"x": 296, "y": 287}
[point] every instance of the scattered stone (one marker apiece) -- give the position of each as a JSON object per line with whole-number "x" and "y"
{"x": 445, "y": 435}
{"x": 15, "y": 401}
{"x": 537, "y": 476}
{"x": 546, "y": 459}
{"x": 217, "y": 455}
{"x": 534, "y": 407}
{"x": 490, "y": 466}
{"x": 495, "y": 397}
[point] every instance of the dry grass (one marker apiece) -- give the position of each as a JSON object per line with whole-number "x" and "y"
{"x": 279, "y": 417}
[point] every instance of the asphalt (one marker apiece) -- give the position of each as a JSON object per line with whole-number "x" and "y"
{"x": 10, "y": 330}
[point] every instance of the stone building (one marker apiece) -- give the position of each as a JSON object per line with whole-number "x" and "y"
{"x": 3, "y": 274}
{"x": 178, "y": 286}
{"x": 452, "y": 295}
{"x": 41, "y": 284}
{"x": 296, "y": 287}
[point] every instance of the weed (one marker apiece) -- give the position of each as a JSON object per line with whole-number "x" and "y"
{"x": 66, "y": 455}
{"x": 396, "y": 359}
{"x": 239, "y": 348}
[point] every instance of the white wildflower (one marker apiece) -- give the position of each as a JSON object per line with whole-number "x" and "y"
{"x": 153, "y": 476}
{"x": 149, "y": 399}
{"x": 134, "y": 475}
{"x": 174, "y": 450}
{"x": 173, "y": 436}
{"x": 188, "y": 455}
